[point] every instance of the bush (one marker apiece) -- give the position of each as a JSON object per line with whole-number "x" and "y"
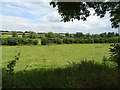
{"x": 66, "y": 40}
{"x": 4, "y": 41}
{"x": 35, "y": 42}
{"x": 71, "y": 40}
{"x": 96, "y": 40}
{"x": 25, "y": 41}
{"x": 18, "y": 41}
{"x": 32, "y": 35}
{"x": 115, "y": 54}
{"x": 44, "y": 41}
{"x": 76, "y": 40}
{"x": 14, "y": 34}
{"x": 12, "y": 41}
{"x": 11, "y": 64}
{"x": 59, "y": 41}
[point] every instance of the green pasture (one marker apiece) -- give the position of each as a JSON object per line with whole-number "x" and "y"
{"x": 10, "y": 35}
{"x": 51, "y": 56}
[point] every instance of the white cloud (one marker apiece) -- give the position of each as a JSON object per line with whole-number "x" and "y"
{"x": 49, "y": 20}
{"x": 25, "y": 1}
{"x": 51, "y": 17}
{"x": 17, "y": 23}
{"x": 38, "y": 8}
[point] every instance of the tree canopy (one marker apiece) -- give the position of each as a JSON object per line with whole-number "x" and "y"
{"x": 81, "y": 10}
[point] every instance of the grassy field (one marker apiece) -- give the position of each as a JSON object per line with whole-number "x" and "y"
{"x": 6, "y": 36}
{"x": 51, "y": 66}
{"x": 54, "y": 55}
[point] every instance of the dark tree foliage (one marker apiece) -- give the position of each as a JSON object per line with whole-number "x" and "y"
{"x": 78, "y": 34}
{"x": 18, "y": 41}
{"x": 115, "y": 54}
{"x": 11, "y": 65}
{"x": 35, "y": 42}
{"x": 81, "y": 10}
{"x": 32, "y": 35}
{"x": 79, "y": 37}
{"x": 44, "y": 41}
{"x": 49, "y": 34}
{"x": 67, "y": 34}
{"x": 14, "y": 34}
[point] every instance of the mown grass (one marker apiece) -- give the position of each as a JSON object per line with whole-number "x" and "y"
{"x": 54, "y": 55}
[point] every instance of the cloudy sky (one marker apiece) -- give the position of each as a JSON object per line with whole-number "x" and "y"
{"x": 41, "y": 17}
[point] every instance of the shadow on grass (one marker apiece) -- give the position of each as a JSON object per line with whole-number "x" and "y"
{"x": 86, "y": 74}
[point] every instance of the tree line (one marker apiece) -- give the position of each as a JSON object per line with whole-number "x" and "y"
{"x": 18, "y": 41}
{"x": 60, "y": 38}
{"x": 79, "y": 37}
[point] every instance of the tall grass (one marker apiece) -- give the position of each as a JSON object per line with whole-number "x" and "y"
{"x": 85, "y": 74}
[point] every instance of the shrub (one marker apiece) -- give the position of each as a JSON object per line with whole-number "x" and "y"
{"x": 115, "y": 54}
{"x": 66, "y": 40}
{"x": 96, "y": 40}
{"x": 59, "y": 41}
{"x": 4, "y": 41}
{"x": 102, "y": 40}
{"x": 32, "y": 35}
{"x": 11, "y": 64}
{"x": 76, "y": 40}
{"x": 44, "y": 41}
{"x": 14, "y": 34}
{"x": 71, "y": 40}
{"x": 30, "y": 41}
{"x": 35, "y": 42}
{"x": 25, "y": 41}
{"x": 18, "y": 41}
{"x": 12, "y": 41}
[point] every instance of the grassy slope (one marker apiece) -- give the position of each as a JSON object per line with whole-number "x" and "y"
{"x": 54, "y": 55}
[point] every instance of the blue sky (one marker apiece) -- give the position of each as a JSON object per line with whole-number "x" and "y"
{"x": 41, "y": 17}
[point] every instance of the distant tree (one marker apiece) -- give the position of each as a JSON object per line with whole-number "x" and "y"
{"x": 32, "y": 35}
{"x": 23, "y": 35}
{"x": 66, "y": 40}
{"x": 88, "y": 35}
{"x": 110, "y": 34}
{"x": 71, "y": 40}
{"x": 116, "y": 34}
{"x": 102, "y": 40}
{"x": 77, "y": 40}
{"x": 59, "y": 35}
{"x": 49, "y": 34}
{"x": 35, "y": 42}
{"x": 78, "y": 34}
{"x": 26, "y": 31}
{"x": 12, "y": 41}
{"x": 96, "y": 35}
{"x": 59, "y": 41}
{"x": 96, "y": 40}
{"x": 90, "y": 40}
{"x": 103, "y": 35}
{"x": 67, "y": 34}
{"x": 44, "y": 41}
{"x": 4, "y": 41}
{"x": 14, "y": 34}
